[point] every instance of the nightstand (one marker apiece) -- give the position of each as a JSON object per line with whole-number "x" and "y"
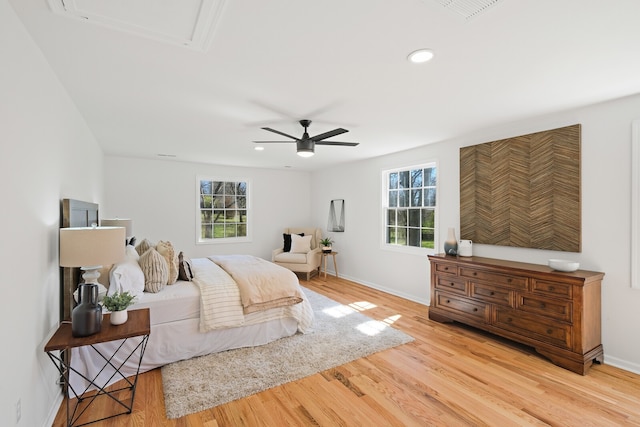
{"x": 59, "y": 351}
{"x": 324, "y": 261}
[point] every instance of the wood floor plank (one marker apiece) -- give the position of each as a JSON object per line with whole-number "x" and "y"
{"x": 450, "y": 375}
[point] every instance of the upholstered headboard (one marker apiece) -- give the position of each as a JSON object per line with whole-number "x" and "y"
{"x": 73, "y": 213}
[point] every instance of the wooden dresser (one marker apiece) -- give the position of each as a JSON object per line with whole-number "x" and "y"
{"x": 556, "y": 313}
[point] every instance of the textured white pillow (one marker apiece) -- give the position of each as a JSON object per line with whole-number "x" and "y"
{"x": 130, "y": 253}
{"x": 126, "y": 276}
{"x": 300, "y": 244}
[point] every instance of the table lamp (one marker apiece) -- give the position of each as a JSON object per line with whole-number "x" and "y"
{"x": 89, "y": 248}
{"x": 119, "y": 222}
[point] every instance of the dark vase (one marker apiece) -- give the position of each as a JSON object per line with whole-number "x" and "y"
{"x": 86, "y": 317}
{"x": 451, "y": 244}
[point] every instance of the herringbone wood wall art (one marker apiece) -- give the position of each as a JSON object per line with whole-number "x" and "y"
{"x": 523, "y": 191}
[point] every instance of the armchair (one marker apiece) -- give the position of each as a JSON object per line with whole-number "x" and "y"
{"x": 308, "y": 263}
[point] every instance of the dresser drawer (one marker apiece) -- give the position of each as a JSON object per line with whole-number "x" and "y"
{"x": 446, "y": 269}
{"x": 531, "y": 325}
{"x": 554, "y": 289}
{"x": 493, "y": 294}
{"x": 556, "y": 309}
{"x": 515, "y": 282}
{"x": 460, "y": 305}
{"x": 452, "y": 284}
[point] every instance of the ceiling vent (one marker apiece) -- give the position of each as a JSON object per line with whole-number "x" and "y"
{"x": 467, "y": 8}
{"x": 187, "y": 23}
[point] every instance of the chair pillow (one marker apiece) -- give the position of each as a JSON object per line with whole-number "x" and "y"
{"x": 300, "y": 244}
{"x": 287, "y": 241}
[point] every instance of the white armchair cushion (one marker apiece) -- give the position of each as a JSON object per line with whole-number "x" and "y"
{"x": 300, "y": 244}
{"x": 290, "y": 257}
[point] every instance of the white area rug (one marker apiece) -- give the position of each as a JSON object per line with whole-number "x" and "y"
{"x": 340, "y": 334}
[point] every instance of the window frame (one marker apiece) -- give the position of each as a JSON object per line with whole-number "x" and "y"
{"x": 249, "y": 213}
{"x": 384, "y": 206}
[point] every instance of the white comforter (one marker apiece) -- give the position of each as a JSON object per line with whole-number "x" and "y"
{"x": 221, "y": 297}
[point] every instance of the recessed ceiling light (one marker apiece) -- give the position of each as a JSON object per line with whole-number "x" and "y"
{"x": 421, "y": 55}
{"x": 259, "y": 148}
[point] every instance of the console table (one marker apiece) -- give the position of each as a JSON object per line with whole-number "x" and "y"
{"x": 59, "y": 348}
{"x": 556, "y": 313}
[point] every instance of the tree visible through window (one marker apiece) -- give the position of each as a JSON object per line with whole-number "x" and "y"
{"x": 410, "y": 206}
{"x": 223, "y": 209}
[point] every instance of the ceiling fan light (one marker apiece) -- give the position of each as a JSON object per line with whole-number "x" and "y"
{"x": 302, "y": 152}
{"x": 420, "y": 56}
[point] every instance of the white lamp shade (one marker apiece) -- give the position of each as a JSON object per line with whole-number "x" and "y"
{"x": 91, "y": 246}
{"x": 119, "y": 222}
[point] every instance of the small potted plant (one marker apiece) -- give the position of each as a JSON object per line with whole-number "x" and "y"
{"x": 117, "y": 304}
{"x": 326, "y": 245}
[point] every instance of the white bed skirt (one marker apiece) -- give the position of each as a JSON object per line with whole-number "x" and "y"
{"x": 168, "y": 343}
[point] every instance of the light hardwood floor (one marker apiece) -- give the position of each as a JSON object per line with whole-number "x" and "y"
{"x": 450, "y": 375}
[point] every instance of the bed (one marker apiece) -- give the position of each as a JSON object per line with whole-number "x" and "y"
{"x": 180, "y": 326}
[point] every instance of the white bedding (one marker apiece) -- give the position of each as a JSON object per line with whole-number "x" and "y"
{"x": 175, "y": 334}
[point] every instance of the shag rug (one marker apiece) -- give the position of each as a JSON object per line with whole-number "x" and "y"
{"x": 340, "y": 334}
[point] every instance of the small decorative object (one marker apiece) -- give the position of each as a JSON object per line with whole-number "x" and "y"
{"x": 564, "y": 265}
{"x": 326, "y": 245}
{"x": 336, "y": 215}
{"x": 86, "y": 317}
{"x": 451, "y": 244}
{"x": 117, "y": 304}
{"x": 465, "y": 248}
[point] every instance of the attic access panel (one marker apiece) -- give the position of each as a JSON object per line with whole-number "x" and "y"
{"x": 523, "y": 191}
{"x": 188, "y": 23}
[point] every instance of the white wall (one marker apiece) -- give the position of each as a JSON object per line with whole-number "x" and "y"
{"x": 44, "y": 143}
{"x": 160, "y": 197}
{"x": 606, "y": 177}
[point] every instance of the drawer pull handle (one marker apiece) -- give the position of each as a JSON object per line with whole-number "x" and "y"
{"x": 549, "y": 331}
{"x": 508, "y": 280}
{"x": 448, "y": 301}
{"x": 475, "y": 274}
{"x": 551, "y": 288}
{"x": 446, "y": 268}
{"x": 541, "y": 305}
{"x": 452, "y": 284}
{"x": 475, "y": 309}
{"x": 509, "y": 319}
{"x": 492, "y": 293}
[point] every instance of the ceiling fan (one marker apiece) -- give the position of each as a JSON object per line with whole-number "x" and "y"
{"x": 306, "y": 144}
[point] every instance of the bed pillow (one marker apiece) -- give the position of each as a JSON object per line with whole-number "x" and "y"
{"x": 300, "y": 244}
{"x": 287, "y": 241}
{"x": 155, "y": 269}
{"x": 126, "y": 276}
{"x": 166, "y": 249}
{"x": 144, "y": 246}
{"x": 131, "y": 254}
{"x": 103, "y": 279}
{"x": 185, "y": 269}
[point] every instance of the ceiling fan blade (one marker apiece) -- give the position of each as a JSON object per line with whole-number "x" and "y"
{"x": 281, "y": 133}
{"x": 347, "y": 144}
{"x": 329, "y": 134}
{"x": 275, "y": 142}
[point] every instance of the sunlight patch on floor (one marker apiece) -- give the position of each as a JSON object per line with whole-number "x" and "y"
{"x": 338, "y": 311}
{"x": 374, "y": 327}
{"x": 362, "y": 305}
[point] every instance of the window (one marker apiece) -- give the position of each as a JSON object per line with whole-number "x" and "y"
{"x": 223, "y": 210}
{"x": 409, "y": 204}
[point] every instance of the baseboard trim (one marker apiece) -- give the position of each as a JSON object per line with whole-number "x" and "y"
{"x": 53, "y": 411}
